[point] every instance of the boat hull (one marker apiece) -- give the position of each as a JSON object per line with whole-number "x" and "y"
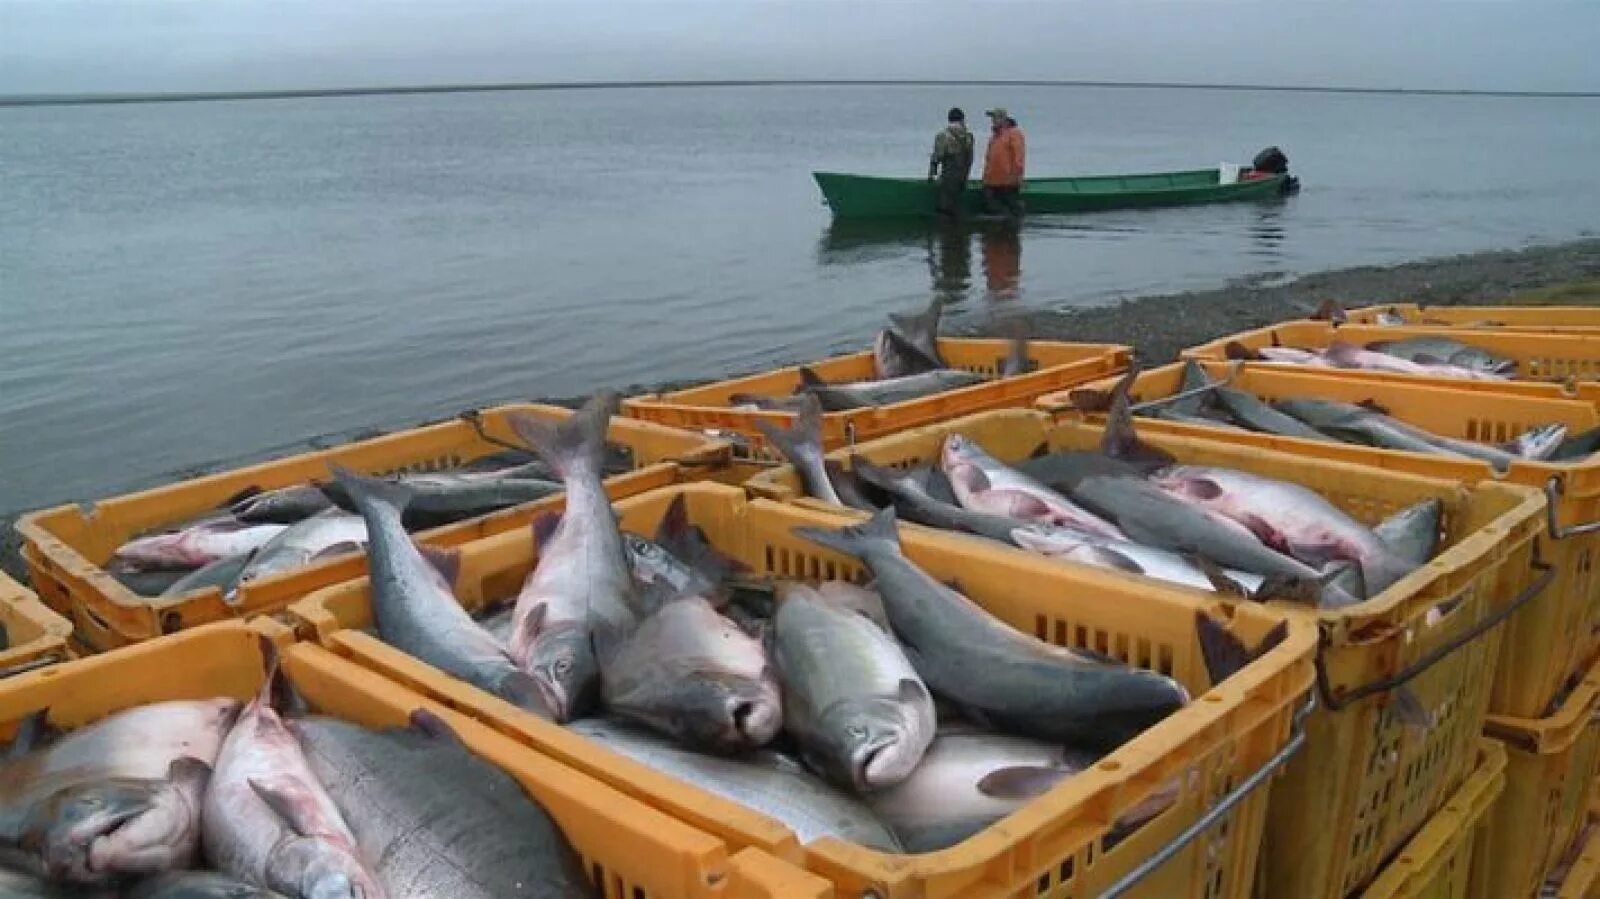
{"x": 865, "y": 196}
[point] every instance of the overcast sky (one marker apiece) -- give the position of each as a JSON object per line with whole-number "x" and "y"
{"x": 50, "y": 46}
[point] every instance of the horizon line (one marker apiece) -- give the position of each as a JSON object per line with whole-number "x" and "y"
{"x": 91, "y": 99}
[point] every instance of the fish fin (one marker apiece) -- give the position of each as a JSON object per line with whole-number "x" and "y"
{"x": 544, "y": 528}
{"x": 1287, "y": 588}
{"x": 1220, "y": 581}
{"x": 34, "y": 731}
{"x": 882, "y": 477}
{"x": 577, "y": 439}
{"x": 1408, "y": 708}
{"x": 801, "y": 439}
{"x": 336, "y": 549}
{"x": 1202, "y": 489}
{"x": 848, "y": 486}
{"x": 1330, "y": 311}
{"x": 688, "y": 543}
{"x": 1238, "y": 351}
{"x": 910, "y": 691}
{"x": 809, "y": 378}
{"x": 428, "y": 723}
{"x": 1224, "y": 654}
{"x": 856, "y": 540}
{"x": 1372, "y": 405}
{"x": 1089, "y": 400}
{"x": 187, "y": 768}
{"x": 1342, "y": 355}
{"x": 291, "y": 800}
{"x": 1121, "y": 441}
{"x": 272, "y": 668}
{"x": 1017, "y": 361}
{"x": 1021, "y": 782}
{"x": 249, "y": 492}
{"x": 1317, "y": 555}
{"x": 445, "y": 561}
{"x": 534, "y": 621}
{"x": 362, "y": 489}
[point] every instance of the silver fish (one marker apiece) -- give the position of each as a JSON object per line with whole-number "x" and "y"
{"x": 1370, "y": 427}
{"x": 971, "y": 779}
{"x": 1287, "y": 517}
{"x": 861, "y": 714}
{"x": 195, "y": 546}
{"x": 268, "y": 820}
{"x": 321, "y": 536}
{"x": 842, "y": 397}
{"x": 438, "y": 820}
{"x": 1020, "y": 683}
{"x": 1444, "y": 350}
{"x": 1149, "y": 561}
{"x": 222, "y": 574}
{"x": 984, "y": 484}
{"x": 764, "y": 781}
{"x": 118, "y": 797}
{"x": 581, "y": 592}
{"x": 414, "y": 606}
{"x": 696, "y": 676}
{"x": 914, "y": 498}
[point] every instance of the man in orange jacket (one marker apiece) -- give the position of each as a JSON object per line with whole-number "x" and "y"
{"x": 1003, "y": 165}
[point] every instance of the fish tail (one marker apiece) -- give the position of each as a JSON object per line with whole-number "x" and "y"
{"x": 1017, "y": 361}
{"x": 803, "y": 440}
{"x": 1538, "y": 443}
{"x": 922, "y": 328}
{"x": 877, "y": 475}
{"x": 857, "y": 540}
{"x": 686, "y": 542}
{"x": 1121, "y": 441}
{"x": 575, "y": 441}
{"x": 1226, "y": 654}
{"x": 367, "y": 492}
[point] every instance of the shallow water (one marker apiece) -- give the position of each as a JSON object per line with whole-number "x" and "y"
{"x": 187, "y": 283}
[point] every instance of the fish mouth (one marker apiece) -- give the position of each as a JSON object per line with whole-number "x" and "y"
{"x": 755, "y": 722}
{"x": 882, "y": 765}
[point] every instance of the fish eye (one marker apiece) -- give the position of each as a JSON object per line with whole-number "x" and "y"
{"x": 561, "y": 666}
{"x": 857, "y": 731}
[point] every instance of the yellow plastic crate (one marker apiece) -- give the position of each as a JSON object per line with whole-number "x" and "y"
{"x": 1553, "y": 637}
{"x": 1221, "y": 748}
{"x": 66, "y": 547}
{"x": 1550, "y": 773}
{"x": 1581, "y": 877}
{"x": 1538, "y": 319}
{"x": 632, "y": 850}
{"x": 707, "y": 408}
{"x": 1548, "y": 365}
{"x": 34, "y": 636}
{"x": 1365, "y": 782}
{"x": 1437, "y": 862}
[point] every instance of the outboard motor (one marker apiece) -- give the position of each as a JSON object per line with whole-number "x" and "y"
{"x": 1273, "y": 161}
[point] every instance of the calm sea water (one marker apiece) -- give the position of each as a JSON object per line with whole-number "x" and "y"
{"x": 187, "y": 283}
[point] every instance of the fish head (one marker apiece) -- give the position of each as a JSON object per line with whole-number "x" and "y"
{"x": 562, "y": 664}
{"x": 963, "y": 462}
{"x": 1050, "y": 541}
{"x": 874, "y": 742}
{"x": 96, "y": 831}
{"x": 320, "y": 868}
{"x": 718, "y": 711}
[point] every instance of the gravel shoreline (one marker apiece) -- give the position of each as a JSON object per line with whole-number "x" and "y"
{"x": 1158, "y": 327}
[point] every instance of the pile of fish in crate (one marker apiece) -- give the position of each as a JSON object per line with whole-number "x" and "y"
{"x": 1309, "y": 614}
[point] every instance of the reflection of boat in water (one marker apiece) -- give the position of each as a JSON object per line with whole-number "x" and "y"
{"x": 868, "y": 196}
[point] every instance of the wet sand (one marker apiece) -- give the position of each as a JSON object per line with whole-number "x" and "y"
{"x": 1160, "y": 326}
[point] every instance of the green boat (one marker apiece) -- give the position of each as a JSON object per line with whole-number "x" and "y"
{"x": 866, "y": 196}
